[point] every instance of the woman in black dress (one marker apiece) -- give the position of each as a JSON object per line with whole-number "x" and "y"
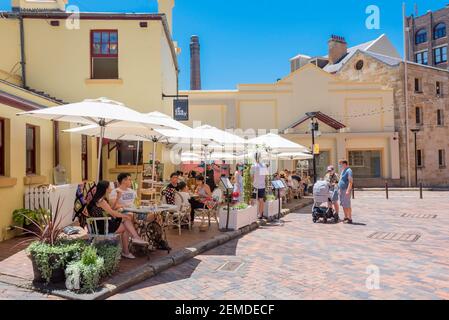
{"x": 120, "y": 223}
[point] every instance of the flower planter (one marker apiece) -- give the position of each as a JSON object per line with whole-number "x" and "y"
{"x": 237, "y": 218}
{"x": 57, "y": 275}
{"x": 271, "y": 208}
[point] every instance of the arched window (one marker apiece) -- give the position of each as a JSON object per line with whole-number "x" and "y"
{"x": 439, "y": 31}
{"x": 421, "y": 36}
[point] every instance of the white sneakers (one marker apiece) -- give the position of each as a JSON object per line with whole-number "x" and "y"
{"x": 140, "y": 242}
{"x": 128, "y": 256}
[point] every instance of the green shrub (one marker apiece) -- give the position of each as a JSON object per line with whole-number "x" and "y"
{"x": 89, "y": 256}
{"x": 111, "y": 254}
{"x": 84, "y": 278}
{"x": 241, "y": 206}
{"x": 270, "y": 197}
{"x": 49, "y": 258}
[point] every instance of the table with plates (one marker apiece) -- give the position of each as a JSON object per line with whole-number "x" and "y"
{"x": 152, "y": 230}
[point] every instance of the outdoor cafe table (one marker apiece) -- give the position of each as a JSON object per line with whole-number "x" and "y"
{"x": 149, "y": 229}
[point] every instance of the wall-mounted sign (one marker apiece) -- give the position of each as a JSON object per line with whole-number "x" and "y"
{"x": 181, "y": 109}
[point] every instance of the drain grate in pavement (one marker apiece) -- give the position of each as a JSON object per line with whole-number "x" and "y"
{"x": 231, "y": 266}
{"x": 419, "y": 215}
{"x": 406, "y": 237}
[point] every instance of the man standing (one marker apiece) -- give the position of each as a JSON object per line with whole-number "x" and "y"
{"x": 258, "y": 174}
{"x": 123, "y": 196}
{"x": 345, "y": 185}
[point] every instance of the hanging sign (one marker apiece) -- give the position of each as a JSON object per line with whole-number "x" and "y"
{"x": 181, "y": 109}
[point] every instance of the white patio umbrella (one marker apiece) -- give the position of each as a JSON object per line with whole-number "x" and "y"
{"x": 184, "y": 134}
{"x": 101, "y": 112}
{"x": 294, "y": 156}
{"x": 277, "y": 144}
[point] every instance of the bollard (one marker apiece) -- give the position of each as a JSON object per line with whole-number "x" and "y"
{"x": 353, "y": 192}
{"x": 386, "y": 190}
{"x": 420, "y": 191}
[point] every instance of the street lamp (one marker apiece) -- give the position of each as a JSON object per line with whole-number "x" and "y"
{"x": 415, "y": 131}
{"x": 314, "y": 127}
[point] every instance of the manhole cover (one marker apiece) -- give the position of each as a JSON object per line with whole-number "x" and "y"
{"x": 418, "y": 215}
{"x": 406, "y": 237}
{"x": 231, "y": 266}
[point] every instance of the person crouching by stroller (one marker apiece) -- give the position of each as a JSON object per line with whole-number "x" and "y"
{"x": 332, "y": 178}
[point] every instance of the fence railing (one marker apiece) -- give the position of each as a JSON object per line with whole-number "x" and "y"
{"x": 37, "y": 197}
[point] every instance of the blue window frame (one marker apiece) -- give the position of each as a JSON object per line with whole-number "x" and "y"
{"x": 421, "y": 36}
{"x": 440, "y": 55}
{"x": 422, "y": 58}
{"x": 439, "y": 31}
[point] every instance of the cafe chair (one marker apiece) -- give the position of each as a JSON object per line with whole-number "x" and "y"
{"x": 93, "y": 230}
{"x": 181, "y": 217}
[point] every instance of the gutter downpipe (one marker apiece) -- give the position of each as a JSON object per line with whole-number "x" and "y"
{"x": 406, "y": 35}
{"x": 22, "y": 50}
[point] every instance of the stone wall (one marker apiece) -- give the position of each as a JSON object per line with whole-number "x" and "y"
{"x": 432, "y": 137}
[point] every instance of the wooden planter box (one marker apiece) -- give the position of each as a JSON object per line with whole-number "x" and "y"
{"x": 238, "y": 218}
{"x": 271, "y": 208}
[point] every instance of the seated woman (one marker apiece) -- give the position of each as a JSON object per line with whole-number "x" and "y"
{"x": 203, "y": 193}
{"x": 120, "y": 223}
{"x": 184, "y": 193}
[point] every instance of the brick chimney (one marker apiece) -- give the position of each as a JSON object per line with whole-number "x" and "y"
{"x": 338, "y": 48}
{"x": 195, "y": 65}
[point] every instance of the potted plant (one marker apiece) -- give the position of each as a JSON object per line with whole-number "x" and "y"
{"x": 111, "y": 252}
{"x": 240, "y": 215}
{"x": 22, "y": 218}
{"x": 85, "y": 274}
{"x": 271, "y": 208}
{"x": 48, "y": 253}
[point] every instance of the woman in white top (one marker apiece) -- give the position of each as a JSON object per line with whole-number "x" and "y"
{"x": 184, "y": 193}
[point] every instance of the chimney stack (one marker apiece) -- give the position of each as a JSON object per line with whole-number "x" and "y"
{"x": 195, "y": 65}
{"x": 338, "y": 49}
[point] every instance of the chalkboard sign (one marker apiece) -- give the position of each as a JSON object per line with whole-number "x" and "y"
{"x": 181, "y": 109}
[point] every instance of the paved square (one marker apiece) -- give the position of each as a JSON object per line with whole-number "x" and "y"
{"x": 302, "y": 260}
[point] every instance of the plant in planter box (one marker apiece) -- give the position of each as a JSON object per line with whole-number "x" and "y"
{"x": 270, "y": 197}
{"x": 48, "y": 253}
{"x": 49, "y": 261}
{"x": 240, "y": 206}
{"x": 85, "y": 275}
{"x": 23, "y": 219}
{"x": 111, "y": 254}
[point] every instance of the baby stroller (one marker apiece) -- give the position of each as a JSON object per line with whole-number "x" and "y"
{"x": 322, "y": 194}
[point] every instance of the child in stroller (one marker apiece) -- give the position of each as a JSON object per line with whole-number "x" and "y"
{"x": 322, "y": 194}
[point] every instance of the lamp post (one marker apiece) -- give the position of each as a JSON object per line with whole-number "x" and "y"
{"x": 313, "y": 127}
{"x": 415, "y": 131}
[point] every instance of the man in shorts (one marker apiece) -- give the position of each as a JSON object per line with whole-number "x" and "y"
{"x": 345, "y": 185}
{"x": 259, "y": 171}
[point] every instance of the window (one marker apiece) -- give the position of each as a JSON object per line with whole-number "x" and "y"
{"x": 442, "y": 158}
{"x": 439, "y": 88}
{"x": 418, "y": 85}
{"x": 439, "y": 31}
{"x": 422, "y": 58}
{"x": 440, "y": 117}
{"x": 419, "y": 158}
{"x": 104, "y": 54}
{"x": 30, "y": 149}
{"x": 366, "y": 164}
{"x": 127, "y": 153}
{"x": 418, "y": 115}
{"x": 2, "y": 147}
{"x": 421, "y": 36}
{"x": 359, "y": 65}
{"x": 440, "y": 55}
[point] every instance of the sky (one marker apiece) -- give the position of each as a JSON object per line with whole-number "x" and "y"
{"x": 251, "y": 41}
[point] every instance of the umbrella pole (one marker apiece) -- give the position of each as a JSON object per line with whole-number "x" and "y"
{"x": 100, "y": 148}
{"x": 137, "y": 160}
{"x": 153, "y": 174}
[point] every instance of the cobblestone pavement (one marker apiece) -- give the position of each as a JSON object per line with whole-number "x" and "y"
{"x": 8, "y": 292}
{"x": 302, "y": 260}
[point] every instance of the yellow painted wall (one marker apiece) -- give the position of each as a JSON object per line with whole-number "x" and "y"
{"x": 10, "y": 68}
{"x": 257, "y": 114}
{"x": 58, "y": 62}
{"x": 12, "y": 196}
